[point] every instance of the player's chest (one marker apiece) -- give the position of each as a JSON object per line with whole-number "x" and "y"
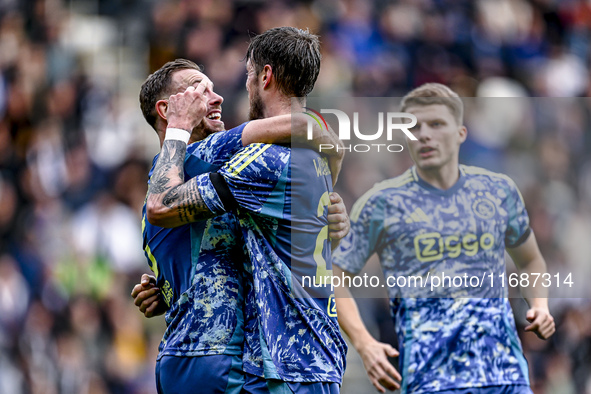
{"x": 446, "y": 226}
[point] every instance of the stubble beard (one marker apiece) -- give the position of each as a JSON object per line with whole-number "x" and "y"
{"x": 256, "y": 106}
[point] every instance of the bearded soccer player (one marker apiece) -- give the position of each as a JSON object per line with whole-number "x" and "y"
{"x": 293, "y": 343}
{"x": 198, "y": 266}
{"x": 443, "y": 217}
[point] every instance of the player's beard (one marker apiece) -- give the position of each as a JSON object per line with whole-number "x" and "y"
{"x": 256, "y": 106}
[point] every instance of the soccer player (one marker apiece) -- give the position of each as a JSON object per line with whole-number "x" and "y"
{"x": 198, "y": 266}
{"x": 280, "y": 195}
{"x": 443, "y": 217}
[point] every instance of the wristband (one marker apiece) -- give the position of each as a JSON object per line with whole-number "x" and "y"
{"x": 177, "y": 134}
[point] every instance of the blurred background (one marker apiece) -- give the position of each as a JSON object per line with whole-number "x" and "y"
{"x": 75, "y": 153}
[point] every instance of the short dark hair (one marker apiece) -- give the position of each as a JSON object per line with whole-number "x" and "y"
{"x": 293, "y": 54}
{"x": 435, "y": 93}
{"x": 157, "y": 86}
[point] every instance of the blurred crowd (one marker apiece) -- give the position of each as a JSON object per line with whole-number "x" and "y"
{"x": 75, "y": 153}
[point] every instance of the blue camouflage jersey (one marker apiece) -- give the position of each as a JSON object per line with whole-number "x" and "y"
{"x": 461, "y": 337}
{"x": 198, "y": 266}
{"x": 281, "y": 196}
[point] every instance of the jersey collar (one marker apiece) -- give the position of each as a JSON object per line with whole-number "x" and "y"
{"x": 432, "y": 189}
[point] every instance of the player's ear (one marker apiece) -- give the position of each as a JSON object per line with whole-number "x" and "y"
{"x": 162, "y": 108}
{"x": 463, "y": 131}
{"x": 267, "y": 75}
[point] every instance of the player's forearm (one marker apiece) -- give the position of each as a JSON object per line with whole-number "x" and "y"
{"x": 294, "y": 128}
{"x": 273, "y": 130}
{"x": 349, "y": 318}
{"x": 529, "y": 260}
{"x": 284, "y": 129}
{"x": 323, "y": 138}
{"x": 351, "y": 323}
{"x": 171, "y": 201}
{"x": 538, "y": 302}
{"x": 535, "y": 295}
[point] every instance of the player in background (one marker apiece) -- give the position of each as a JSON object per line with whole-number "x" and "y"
{"x": 293, "y": 342}
{"x": 197, "y": 266}
{"x": 440, "y": 216}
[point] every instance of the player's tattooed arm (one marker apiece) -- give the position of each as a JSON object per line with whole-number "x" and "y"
{"x": 171, "y": 201}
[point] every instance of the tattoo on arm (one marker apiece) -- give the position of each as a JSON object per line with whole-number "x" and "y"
{"x": 171, "y": 158}
{"x": 168, "y": 187}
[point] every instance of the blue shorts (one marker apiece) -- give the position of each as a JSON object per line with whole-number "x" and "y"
{"x": 257, "y": 385}
{"x": 506, "y": 389}
{"x": 204, "y": 374}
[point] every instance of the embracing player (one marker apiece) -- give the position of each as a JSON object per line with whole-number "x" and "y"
{"x": 197, "y": 266}
{"x": 309, "y": 353}
{"x": 293, "y": 342}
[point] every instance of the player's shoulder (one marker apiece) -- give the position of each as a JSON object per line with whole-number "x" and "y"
{"x": 383, "y": 190}
{"x": 392, "y": 185}
{"x": 487, "y": 175}
{"x": 268, "y": 151}
{"x": 217, "y": 139}
{"x": 210, "y": 140}
{"x": 259, "y": 156}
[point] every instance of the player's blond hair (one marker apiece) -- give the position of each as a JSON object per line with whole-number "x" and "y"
{"x": 435, "y": 93}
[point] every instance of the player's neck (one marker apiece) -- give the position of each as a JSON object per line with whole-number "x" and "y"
{"x": 442, "y": 178}
{"x": 282, "y": 105}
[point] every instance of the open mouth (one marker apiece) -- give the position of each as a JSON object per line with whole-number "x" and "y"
{"x": 217, "y": 116}
{"x": 426, "y": 150}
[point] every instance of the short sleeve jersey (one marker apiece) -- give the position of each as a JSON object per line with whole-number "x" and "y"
{"x": 448, "y": 340}
{"x": 282, "y": 199}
